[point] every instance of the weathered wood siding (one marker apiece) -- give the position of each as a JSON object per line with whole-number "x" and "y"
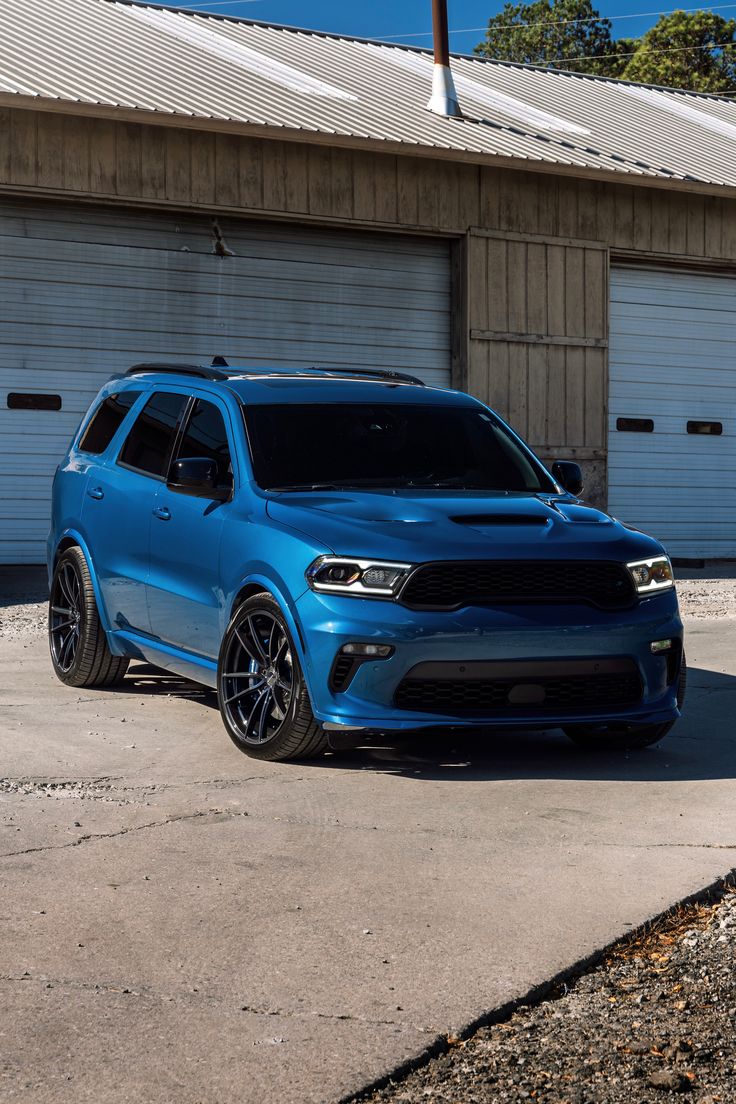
{"x": 531, "y": 265}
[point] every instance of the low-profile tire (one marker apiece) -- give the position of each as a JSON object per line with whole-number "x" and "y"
{"x": 623, "y": 737}
{"x": 263, "y": 697}
{"x": 77, "y": 641}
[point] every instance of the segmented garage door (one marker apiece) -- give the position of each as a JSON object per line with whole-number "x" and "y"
{"x": 672, "y": 428}
{"x": 87, "y": 292}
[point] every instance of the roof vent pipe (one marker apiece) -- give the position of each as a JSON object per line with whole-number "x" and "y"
{"x": 444, "y": 97}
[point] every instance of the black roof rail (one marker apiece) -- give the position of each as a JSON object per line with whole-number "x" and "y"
{"x": 179, "y": 369}
{"x": 381, "y": 373}
{"x": 377, "y": 373}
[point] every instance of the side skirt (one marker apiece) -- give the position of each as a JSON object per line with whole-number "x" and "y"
{"x": 186, "y": 664}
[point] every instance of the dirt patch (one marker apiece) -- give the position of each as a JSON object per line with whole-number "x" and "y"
{"x": 657, "y": 1018}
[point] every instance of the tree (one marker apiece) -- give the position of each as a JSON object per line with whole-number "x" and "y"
{"x": 548, "y": 32}
{"x": 694, "y": 50}
{"x": 678, "y": 52}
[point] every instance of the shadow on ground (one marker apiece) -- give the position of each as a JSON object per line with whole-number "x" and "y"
{"x": 702, "y": 745}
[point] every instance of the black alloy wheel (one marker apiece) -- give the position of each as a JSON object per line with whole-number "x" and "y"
{"x": 77, "y": 641}
{"x": 65, "y": 615}
{"x": 263, "y": 698}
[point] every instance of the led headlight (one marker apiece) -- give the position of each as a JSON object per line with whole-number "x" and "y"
{"x": 362, "y": 578}
{"x": 653, "y": 575}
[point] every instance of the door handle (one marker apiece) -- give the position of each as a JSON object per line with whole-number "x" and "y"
{"x": 96, "y": 492}
{"x": 162, "y": 512}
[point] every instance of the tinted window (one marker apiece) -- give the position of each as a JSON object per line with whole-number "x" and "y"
{"x": 148, "y": 445}
{"x": 205, "y": 435}
{"x": 387, "y": 445}
{"x": 106, "y": 421}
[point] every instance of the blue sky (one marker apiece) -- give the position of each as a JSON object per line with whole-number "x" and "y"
{"x": 386, "y": 18}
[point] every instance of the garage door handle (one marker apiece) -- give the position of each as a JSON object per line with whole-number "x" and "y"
{"x": 162, "y": 512}
{"x": 96, "y": 492}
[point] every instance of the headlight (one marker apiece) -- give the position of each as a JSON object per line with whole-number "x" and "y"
{"x": 363, "y": 578}
{"x": 652, "y": 575}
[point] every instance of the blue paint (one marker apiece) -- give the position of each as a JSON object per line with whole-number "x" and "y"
{"x": 168, "y": 568}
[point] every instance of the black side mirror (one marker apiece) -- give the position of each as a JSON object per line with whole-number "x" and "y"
{"x": 568, "y": 475}
{"x": 197, "y": 476}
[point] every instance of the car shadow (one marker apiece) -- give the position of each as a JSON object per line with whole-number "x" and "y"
{"x": 702, "y": 745}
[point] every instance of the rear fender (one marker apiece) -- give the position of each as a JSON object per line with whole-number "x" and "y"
{"x": 75, "y": 537}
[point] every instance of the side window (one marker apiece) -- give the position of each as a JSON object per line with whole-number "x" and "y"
{"x": 106, "y": 421}
{"x": 148, "y": 445}
{"x": 205, "y": 435}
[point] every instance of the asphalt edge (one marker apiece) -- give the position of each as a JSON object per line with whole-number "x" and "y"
{"x": 554, "y": 989}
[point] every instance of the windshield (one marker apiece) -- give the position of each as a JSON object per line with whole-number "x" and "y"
{"x": 321, "y": 446}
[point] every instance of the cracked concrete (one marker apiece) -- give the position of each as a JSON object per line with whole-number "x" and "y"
{"x": 182, "y": 923}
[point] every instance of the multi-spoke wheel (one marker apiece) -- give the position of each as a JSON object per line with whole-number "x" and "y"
{"x": 79, "y": 650}
{"x": 263, "y": 698}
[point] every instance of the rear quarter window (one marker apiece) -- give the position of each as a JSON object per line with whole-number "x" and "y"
{"x": 106, "y": 421}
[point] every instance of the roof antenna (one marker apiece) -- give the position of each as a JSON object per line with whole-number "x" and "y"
{"x": 444, "y": 99}
{"x": 219, "y": 362}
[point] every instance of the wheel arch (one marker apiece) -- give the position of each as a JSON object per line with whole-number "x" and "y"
{"x": 72, "y": 539}
{"x": 256, "y": 584}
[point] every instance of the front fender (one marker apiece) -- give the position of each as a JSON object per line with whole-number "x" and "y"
{"x": 264, "y": 577}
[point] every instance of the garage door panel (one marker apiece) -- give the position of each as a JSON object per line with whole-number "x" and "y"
{"x": 87, "y": 292}
{"x": 672, "y": 359}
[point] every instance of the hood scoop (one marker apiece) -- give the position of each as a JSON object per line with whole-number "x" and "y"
{"x": 502, "y": 519}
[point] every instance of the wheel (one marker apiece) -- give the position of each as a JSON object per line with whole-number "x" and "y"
{"x": 263, "y": 697}
{"x": 625, "y": 737}
{"x": 79, "y": 651}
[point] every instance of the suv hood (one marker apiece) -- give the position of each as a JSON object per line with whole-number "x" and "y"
{"x": 417, "y": 526}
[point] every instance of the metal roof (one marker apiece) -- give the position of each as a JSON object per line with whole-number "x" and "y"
{"x": 165, "y": 65}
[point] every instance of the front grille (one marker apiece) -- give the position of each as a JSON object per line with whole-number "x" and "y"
{"x": 528, "y": 694}
{"x": 485, "y": 582}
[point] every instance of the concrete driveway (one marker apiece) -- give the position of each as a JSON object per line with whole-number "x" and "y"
{"x": 180, "y": 923}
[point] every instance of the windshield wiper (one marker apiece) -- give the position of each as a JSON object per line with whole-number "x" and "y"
{"x": 309, "y": 487}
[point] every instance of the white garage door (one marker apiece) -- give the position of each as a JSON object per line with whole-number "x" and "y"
{"x": 87, "y": 292}
{"x": 672, "y": 430}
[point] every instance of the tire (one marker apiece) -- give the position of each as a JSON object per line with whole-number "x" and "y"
{"x": 264, "y": 702}
{"x": 623, "y": 737}
{"x": 77, "y": 641}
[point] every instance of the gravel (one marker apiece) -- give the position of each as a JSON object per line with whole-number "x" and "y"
{"x": 656, "y": 1020}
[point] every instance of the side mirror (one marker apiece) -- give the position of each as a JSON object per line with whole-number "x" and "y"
{"x": 568, "y": 475}
{"x": 197, "y": 476}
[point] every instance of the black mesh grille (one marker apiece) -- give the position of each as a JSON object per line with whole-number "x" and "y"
{"x": 342, "y": 672}
{"x": 562, "y": 694}
{"x": 482, "y": 582}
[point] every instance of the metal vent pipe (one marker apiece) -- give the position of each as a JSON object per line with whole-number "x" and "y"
{"x": 444, "y": 97}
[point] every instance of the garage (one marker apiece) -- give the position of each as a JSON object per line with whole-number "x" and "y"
{"x": 672, "y": 411}
{"x": 88, "y": 291}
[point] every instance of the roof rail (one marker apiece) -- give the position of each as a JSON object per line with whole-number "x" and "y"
{"x": 379, "y": 373}
{"x": 179, "y": 369}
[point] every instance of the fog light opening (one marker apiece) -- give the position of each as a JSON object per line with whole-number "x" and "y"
{"x": 658, "y": 646}
{"x": 372, "y": 651}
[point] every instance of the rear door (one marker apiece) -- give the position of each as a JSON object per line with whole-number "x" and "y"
{"x": 119, "y": 504}
{"x": 185, "y": 598}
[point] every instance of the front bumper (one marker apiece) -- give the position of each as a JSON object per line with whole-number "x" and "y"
{"x": 512, "y": 632}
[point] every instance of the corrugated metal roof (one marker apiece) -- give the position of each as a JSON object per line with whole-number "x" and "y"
{"x": 117, "y": 54}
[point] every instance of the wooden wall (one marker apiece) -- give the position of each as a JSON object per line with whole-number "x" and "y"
{"x": 531, "y": 267}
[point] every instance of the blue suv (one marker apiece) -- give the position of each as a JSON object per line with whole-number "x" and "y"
{"x": 342, "y": 553}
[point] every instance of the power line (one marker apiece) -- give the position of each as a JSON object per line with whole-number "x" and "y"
{"x": 647, "y": 50}
{"x": 558, "y": 22}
